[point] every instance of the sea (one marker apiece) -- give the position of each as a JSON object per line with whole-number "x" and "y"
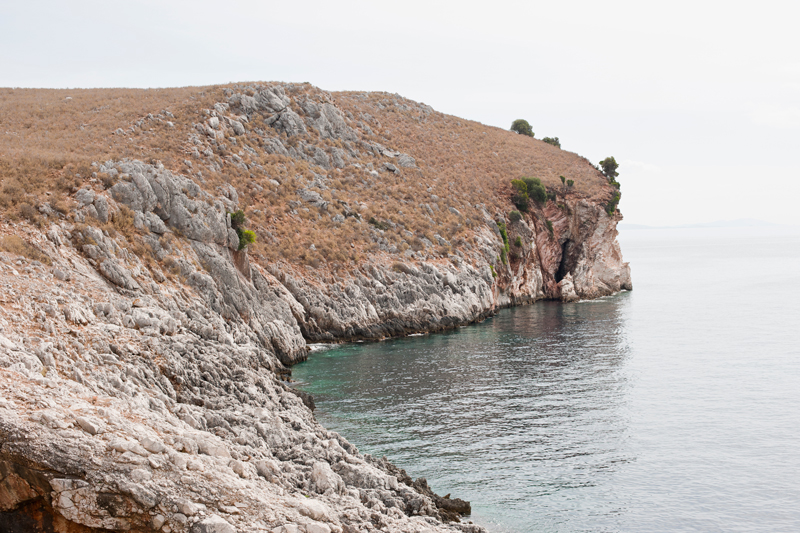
{"x": 672, "y": 407}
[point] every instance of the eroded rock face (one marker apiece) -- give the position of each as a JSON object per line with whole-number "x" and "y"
{"x": 147, "y": 394}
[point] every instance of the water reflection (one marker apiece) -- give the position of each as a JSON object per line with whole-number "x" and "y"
{"x": 518, "y": 414}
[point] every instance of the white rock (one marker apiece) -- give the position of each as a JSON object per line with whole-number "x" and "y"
{"x": 187, "y": 507}
{"x": 5, "y": 343}
{"x": 89, "y": 425}
{"x": 325, "y": 479}
{"x": 314, "y": 509}
{"x": 141, "y": 475}
{"x": 316, "y": 527}
{"x": 153, "y": 445}
{"x": 287, "y": 528}
{"x": 213, "y": 524}
{"x": 179, "y": 460}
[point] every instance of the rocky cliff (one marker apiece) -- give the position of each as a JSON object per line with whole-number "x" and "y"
{"x": 144, "y": 354}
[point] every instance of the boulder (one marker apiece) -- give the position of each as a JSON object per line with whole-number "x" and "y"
{"x": 213, "y": 524}
{"x": 324, "y": 479}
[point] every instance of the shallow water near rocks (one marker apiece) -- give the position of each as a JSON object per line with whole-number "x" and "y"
{"x": 675, "y": 407}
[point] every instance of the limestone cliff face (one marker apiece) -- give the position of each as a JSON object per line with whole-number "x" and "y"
{"x": 143, "y": 355}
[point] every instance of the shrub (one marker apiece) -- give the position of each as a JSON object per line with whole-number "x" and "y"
{"x": 522, "y": 127}
{"x": 570, "y": 183}
{"x": 494, "y": 274}
{"x": 515, "y": 216}
{"x": 518, "y": 241}
{"x": 107, "y": 180}
{"x": 536, "y": 190}
{"x": 237, "y": 219}
{"x": 520, "y": 198}
{"x": 28, "y": 212}
{"x": 504, "y": 256}
{"x": 549, "y": 226}
{"x": 122, "y": 221}
{"x": 611, "y": 206}
{"x": 504, "y": 234}
{"x": 246, "y": 237}
{"x": 552, "y": 140}
{"x": 608, "y": 167}
{"x": 381, "y": 225}
{"x": 15, "y": 245}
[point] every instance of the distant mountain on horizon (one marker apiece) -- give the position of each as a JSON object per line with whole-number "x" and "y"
{"x": 737, "y": 223}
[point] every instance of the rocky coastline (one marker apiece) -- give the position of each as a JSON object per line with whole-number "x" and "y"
{"x": 144, "y": 353}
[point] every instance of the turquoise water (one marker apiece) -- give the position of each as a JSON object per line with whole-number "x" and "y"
{"x": 674, "y": 407}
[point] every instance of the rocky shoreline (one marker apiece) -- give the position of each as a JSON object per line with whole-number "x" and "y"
{"x": 143, "y": 352}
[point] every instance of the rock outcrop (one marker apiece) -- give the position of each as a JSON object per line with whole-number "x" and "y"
{"x": 144, "y": 354}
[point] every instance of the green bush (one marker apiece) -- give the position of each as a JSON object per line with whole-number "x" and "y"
{"x": 520, "y": 197}
{"x": 494, "y": 274}
{"x": 514, "y": 216}
{"x": 245, "y": 237}
{"x": 549, "y": 226}
{"x": 504, "y": 256}
{"x": 552, "y": 196}
{"x": 522, "y": 127}
{"x": 552, "y": 140}
{"x": 518, "y": 242}
{"x": 237, "y": 219}
{"x": 609, "y": 167}
{"x": 379, "y": 224}
{"x": 611, "y": 206}
{"x": 570, "y": 183}
{"x": 504, "y": 234}
{"x": 535, "y": 190}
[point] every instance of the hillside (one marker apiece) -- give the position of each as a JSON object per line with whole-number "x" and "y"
{"x": 51, "y": 138}
{"x": 144, "y": 348}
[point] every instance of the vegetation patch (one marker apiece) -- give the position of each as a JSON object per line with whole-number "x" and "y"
{"x": 380, "y": 224}
{"x": 520, "y": 197}
{"x": 246, "y": 236}
{"x": 611, "y": 205}
{"x": 15, "y": 245}
{"x": 522, "y": 127}
{"x": 536, "y": 191}
{"x": 552, "y": 140}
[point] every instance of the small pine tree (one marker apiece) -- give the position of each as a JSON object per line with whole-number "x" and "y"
{"x": 609, "y": 167}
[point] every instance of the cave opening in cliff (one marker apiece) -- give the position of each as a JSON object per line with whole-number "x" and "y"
{"x": 563, "y": 267}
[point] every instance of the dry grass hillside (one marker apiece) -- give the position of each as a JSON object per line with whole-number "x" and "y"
{"x": 388, "y": 177}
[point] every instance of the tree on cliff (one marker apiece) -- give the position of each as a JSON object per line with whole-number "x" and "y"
{"x": 609, "y": 167}
{"x": 522, "y": 127}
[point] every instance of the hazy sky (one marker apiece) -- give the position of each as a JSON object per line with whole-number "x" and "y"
{"x": 698, "y": 101}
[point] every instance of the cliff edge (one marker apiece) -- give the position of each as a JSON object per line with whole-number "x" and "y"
{"x": 144, "y": 344}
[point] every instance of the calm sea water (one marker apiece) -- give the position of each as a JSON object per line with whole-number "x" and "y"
{"x": 674, "y": 407}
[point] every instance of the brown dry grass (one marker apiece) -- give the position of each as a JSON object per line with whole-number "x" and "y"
{"x": 15, "y": 245}
{"x": 50, "y": 138}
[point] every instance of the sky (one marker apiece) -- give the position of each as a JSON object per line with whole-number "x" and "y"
{"x": 698, "y": 101}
